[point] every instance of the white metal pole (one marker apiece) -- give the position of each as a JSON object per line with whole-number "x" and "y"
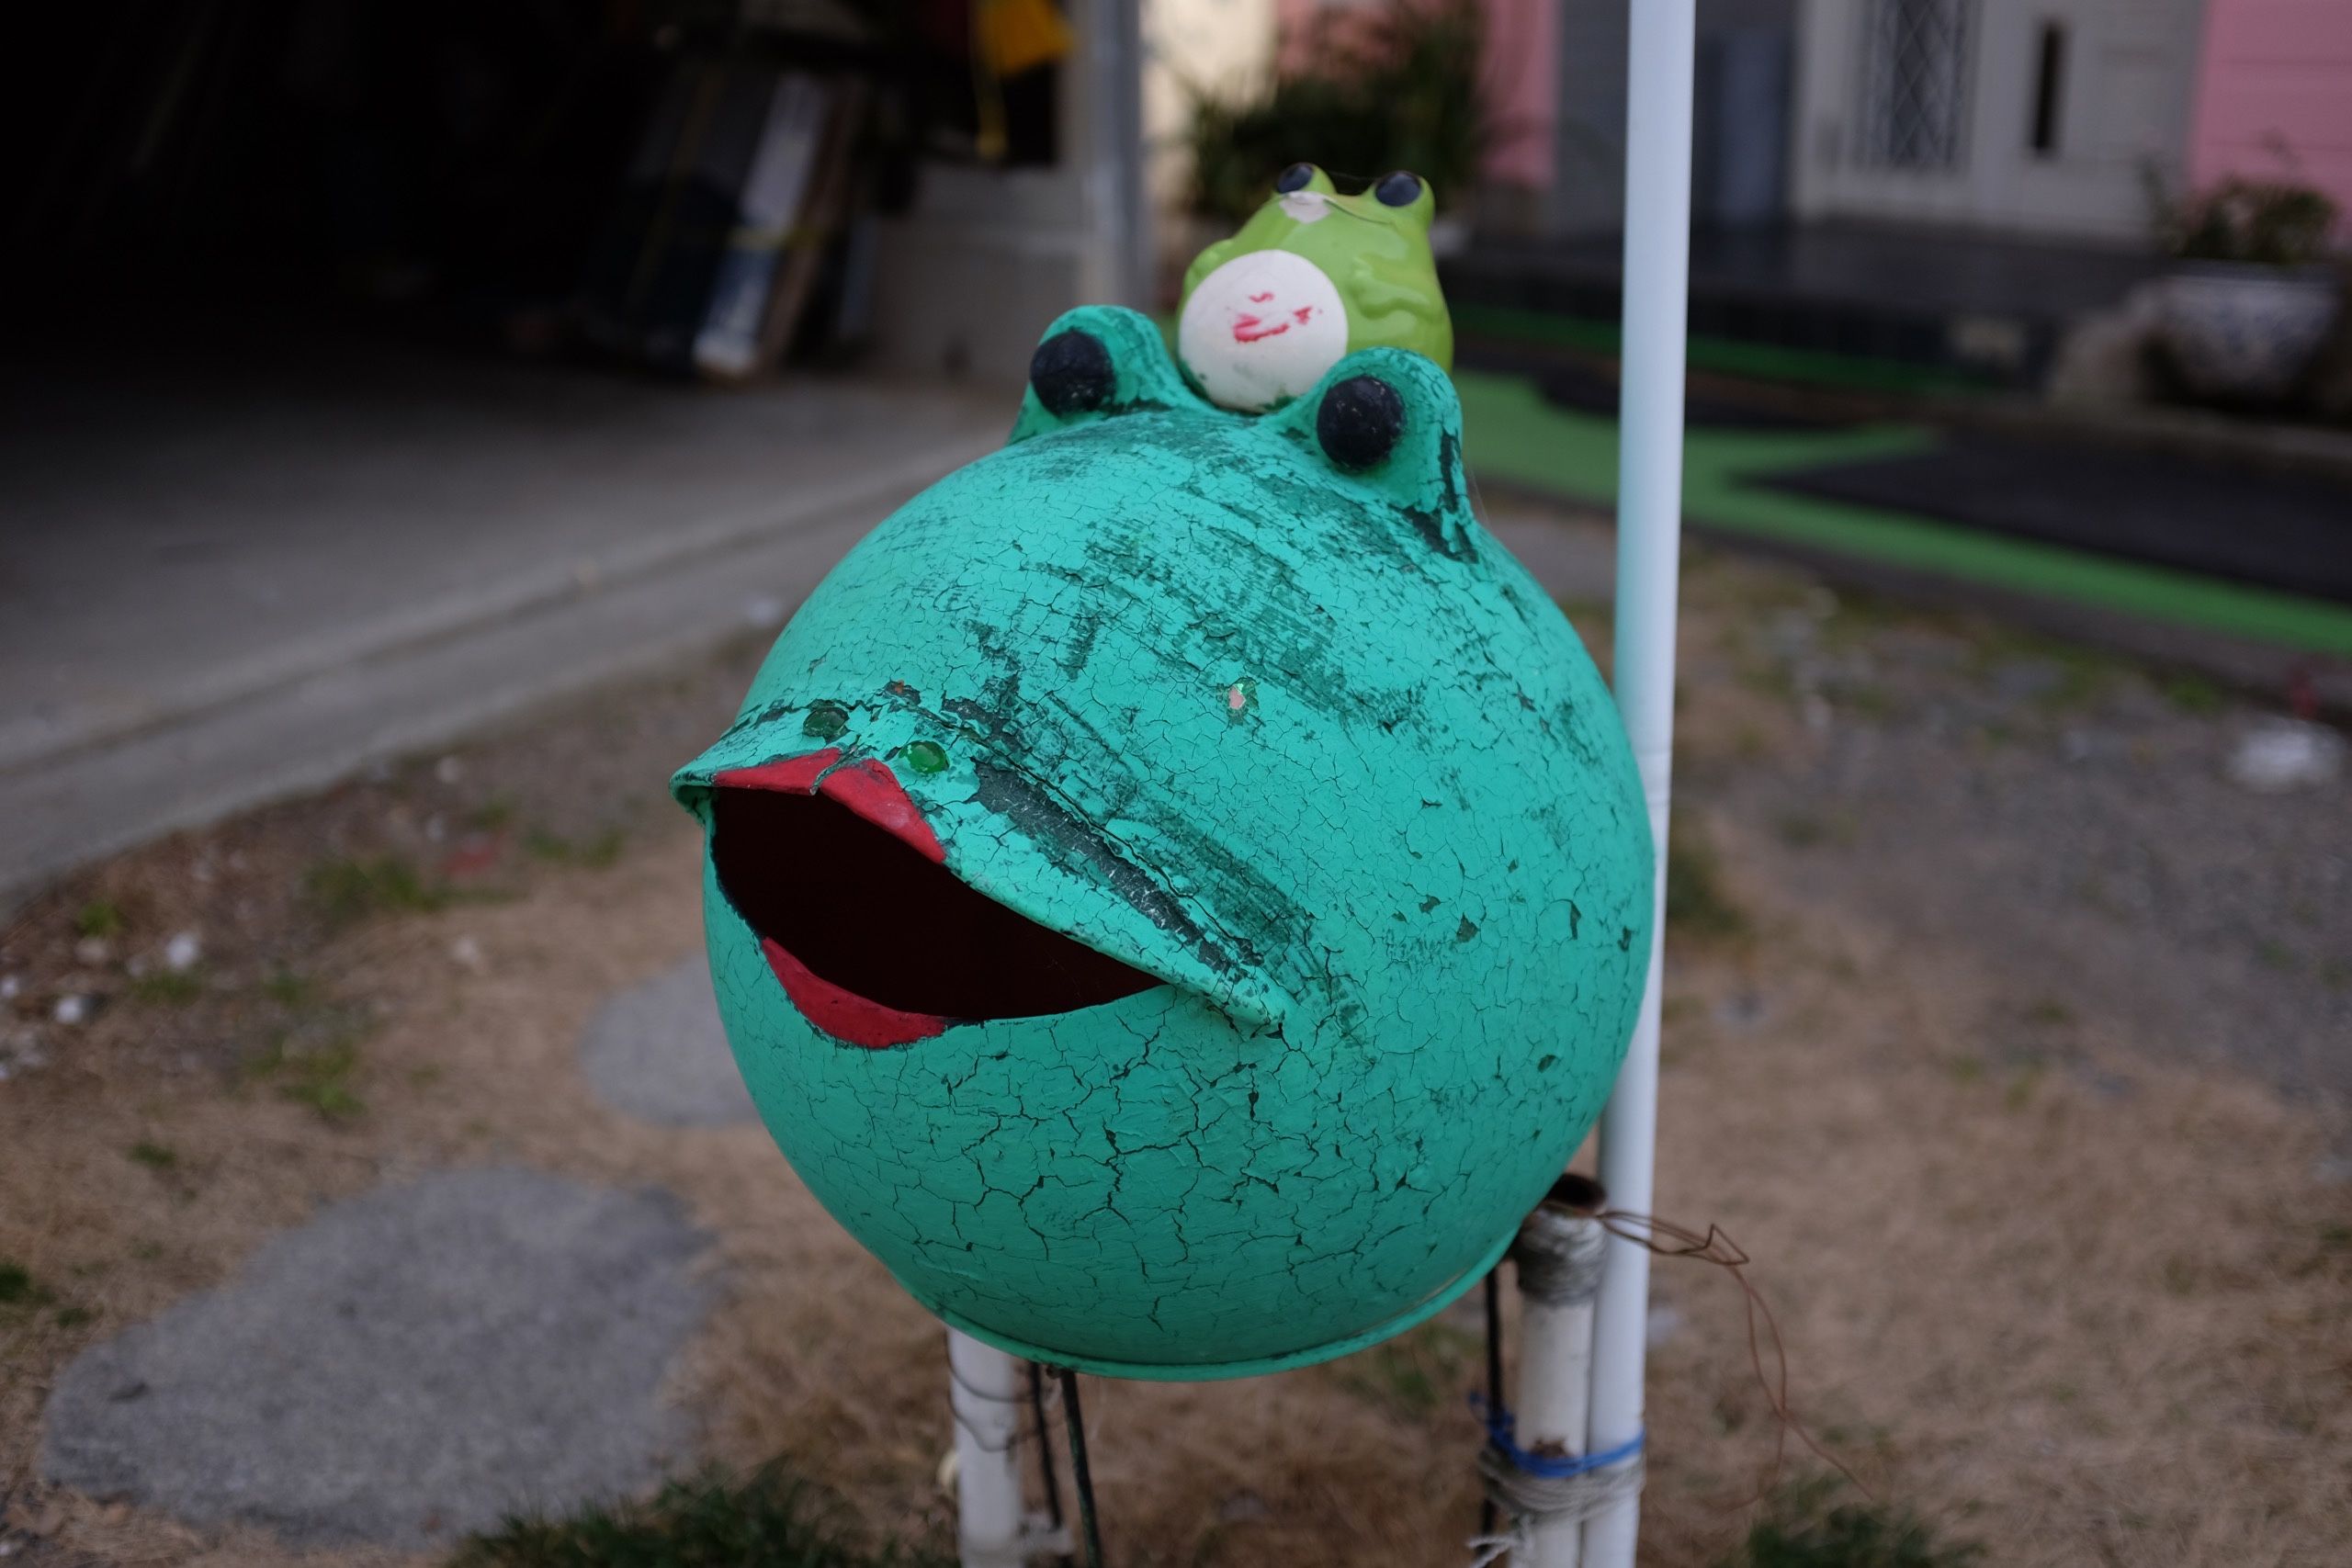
{"x": 1659, "y": 58}
{"x": 1117, "y": 194}
{"x": 985, "y": 1392}
{"x": 1559, "y": 1262}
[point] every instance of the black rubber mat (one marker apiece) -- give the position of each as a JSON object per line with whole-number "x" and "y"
{"x": 2280, "y": 530}
{"x": 1584, "y": 387}
{"x": 1583, "y": 390}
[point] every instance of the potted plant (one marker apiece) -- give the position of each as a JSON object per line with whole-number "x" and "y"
{"x": 1394, "y": 87}
{"x": 2251, "y": 296}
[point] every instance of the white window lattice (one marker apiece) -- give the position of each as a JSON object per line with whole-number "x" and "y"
{"x": 1915, "y": 84}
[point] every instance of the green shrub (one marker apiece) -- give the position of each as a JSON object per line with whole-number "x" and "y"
{"x": 1804, "y": 1528}
{"x": 763, "y": 1520}
{"x": 1394, "y": 89}
{"x": 2272, "y": 222}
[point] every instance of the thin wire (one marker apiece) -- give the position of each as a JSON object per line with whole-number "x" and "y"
{"x": 1082, "y": 1478}
{"x": 1714, "y": 1247}
{"x": 1013, "y": 1439}
{"x": 1664, "y": 1238}
{"x": 982, "y": 1442}
{"x": 1045, "y": 1457}
{"x": 980, "y": 1393}
{"x": 1535, "y": 1501}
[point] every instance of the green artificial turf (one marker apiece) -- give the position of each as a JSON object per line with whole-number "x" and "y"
{"x": 1725, "y": 356}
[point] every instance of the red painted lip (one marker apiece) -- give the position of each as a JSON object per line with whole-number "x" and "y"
{"x": 869, "y": 789}
{"x": 1249, "y": 329}
{"x": 866, "y": 786}
{"x": 844, "y": 1014}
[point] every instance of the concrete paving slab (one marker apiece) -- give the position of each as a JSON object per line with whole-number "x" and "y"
{"x": 242, "y": 506}
{"x": 308, "y": 733}
{"x": 231, "y": 571}
{"x": 657, "y": 1052}
{"x": 407, "y": 1367}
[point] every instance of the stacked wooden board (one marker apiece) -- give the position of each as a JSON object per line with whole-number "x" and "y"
{"x": 741, "y": 183}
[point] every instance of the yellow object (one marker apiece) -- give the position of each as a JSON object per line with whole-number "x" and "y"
{"x": 1016, "y": 36}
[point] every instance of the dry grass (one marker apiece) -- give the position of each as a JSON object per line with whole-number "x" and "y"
{"x": 2076, "y": 1322}
{"x": 2091, "y": 1313}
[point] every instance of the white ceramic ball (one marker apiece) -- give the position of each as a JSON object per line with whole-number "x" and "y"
{"x": 1263, "y": 328}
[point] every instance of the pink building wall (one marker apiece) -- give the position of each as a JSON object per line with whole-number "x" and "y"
{"x": 1520, "y": 76}
{"x": 1522, "y": 85}
{"x": 2276, "y": 71}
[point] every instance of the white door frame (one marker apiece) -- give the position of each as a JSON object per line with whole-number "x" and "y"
{"x": 2123, "y": 109}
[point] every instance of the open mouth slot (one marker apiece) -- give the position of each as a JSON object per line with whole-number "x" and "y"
{"x": 868, "y": 916}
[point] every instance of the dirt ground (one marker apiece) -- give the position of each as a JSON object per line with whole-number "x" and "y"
{"x": 2005, "y": 1034}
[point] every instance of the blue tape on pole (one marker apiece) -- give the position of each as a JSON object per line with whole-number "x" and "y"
{"x": 1502, "y": 1431}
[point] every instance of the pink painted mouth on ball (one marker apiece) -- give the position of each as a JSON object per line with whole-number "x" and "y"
{"x": 877, "y": 947}
{"x": 1252, "y": 329}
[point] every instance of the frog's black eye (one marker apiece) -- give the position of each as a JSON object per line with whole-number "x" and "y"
{"x": 1299, "y": 177}
{"x": 1400, "y": 189}
{"x": 1072, "y": 372}
{"x": 1359, "y": 422}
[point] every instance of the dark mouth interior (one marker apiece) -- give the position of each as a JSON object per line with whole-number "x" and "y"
{"x": 876, "y": 918}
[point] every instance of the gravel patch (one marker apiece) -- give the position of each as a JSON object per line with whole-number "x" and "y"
{"x": 406, "y": 1368}
{"x": 657, "y": 1052}
{"x": 2076, "y": 824}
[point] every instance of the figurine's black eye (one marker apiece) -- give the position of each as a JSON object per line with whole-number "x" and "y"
{"x": 1359, "y": 422}
{"x": 1400, "y": 189}
{"x": 1299, "y": 177}
{"x": 1072, "y": 372}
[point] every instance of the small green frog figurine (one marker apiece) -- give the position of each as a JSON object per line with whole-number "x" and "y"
{"x": 1312, "y": 276}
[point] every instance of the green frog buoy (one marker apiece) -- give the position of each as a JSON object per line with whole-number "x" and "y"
{"x": 1179, "y": 891}
{"x": 1312, "y": 276}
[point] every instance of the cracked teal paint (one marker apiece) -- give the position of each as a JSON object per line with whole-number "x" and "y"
{"x": 1310, "y": 747}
